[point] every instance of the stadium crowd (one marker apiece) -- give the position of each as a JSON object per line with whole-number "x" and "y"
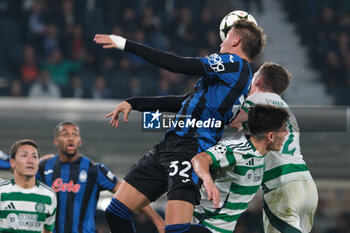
{"x": 324, "y": 28}
{"x": 47, "y": 48}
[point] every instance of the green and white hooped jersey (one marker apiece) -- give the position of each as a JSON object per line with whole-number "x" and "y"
{"x": 286, "y": 165}
{"x": 26, "y": 210}
{"x": 237, "y": 170}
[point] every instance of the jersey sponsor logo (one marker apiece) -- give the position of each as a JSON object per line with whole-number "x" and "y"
{"x": 59, "y": 186}
{"x": 23, "y": 220}
{"x": 216, "y": 63}
{"x": 151, "y": 120}
{"x": 48, "y": 172}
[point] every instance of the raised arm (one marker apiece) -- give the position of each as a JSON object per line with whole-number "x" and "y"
{"x": 168, "y": 61}
{"x": 171, "y": 103}
{"x": 201, "y": 163}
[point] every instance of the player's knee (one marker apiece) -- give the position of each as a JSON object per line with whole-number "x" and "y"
{"x": 119, "y": 217}
{"x": 186, "y": 228}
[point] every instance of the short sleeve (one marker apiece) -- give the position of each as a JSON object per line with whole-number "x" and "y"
{"x": 222, "y": 156}
{"x": 226, "y": 67}
{"x": 105, "y": 178}
{"x": 51, "y": 216}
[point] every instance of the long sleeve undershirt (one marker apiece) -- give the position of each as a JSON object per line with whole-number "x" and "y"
{"x": 170, "y": 103}
{"x": 165, "y": 60}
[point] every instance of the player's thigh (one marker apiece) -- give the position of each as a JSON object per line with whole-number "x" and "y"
{"x": 131, "y": 197}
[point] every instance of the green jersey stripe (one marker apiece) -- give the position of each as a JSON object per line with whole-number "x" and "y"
{"x": 216, "y": 228}
{"x": 243, "y": 190}
{"x": 230, "y": 157}
{"x": 250, "y": 103}
{"x": 50, "y": 227}
{"x": 236, "y": 206}
{"x": 242, "y": 170}
{"x": 283, "y": 170}
{"x": 16, "y": 230}
{"x": 216, "y": 163}
{"x": 41, "y": 216}
{"x": 18, "y": 196}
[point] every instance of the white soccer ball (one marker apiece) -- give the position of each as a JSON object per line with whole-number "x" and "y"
{"x": 228, "y": 21}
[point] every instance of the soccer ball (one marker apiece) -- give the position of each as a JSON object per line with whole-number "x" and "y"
{"x": 228, "y": 21}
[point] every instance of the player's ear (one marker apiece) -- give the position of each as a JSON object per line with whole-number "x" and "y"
{"x": 270, "y": 136}
{"x": 235, "y": 41}
{"x": 12, "y": 163}
{"x": 55, "y": 141}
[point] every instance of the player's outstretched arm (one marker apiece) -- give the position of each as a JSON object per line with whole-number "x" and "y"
{"x": 168, "y": 103}
{"x": 125, "y": 108}
{"x": 154, "y": 217}
{"x": 237, "y": 122}
{"x": 165, "y": 60}
{"x": 201, "y": 163}
{"x": 110, "y": 41}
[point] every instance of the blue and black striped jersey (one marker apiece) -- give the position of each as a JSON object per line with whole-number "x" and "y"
{"x": 77, "y": 185}
{"x": 216, "y": 99}
{"x": 4, "y": 161}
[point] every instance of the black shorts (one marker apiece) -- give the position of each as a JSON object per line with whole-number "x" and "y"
{"x": 166, "y": 168}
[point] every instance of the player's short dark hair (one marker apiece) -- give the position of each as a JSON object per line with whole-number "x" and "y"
{"x": 266, "y": 118}
{"x": 275, "y": 77}
{"x": 22, "y": 142}
{"x": 65, "y": 122}
{"x": 252, "y": 37}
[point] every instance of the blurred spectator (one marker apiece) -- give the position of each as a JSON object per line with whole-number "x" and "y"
{"x": 75, "y": 89}
{"x": 36, "y": 22}
{"x": 44, "y": 88}
{"x": 100, "y": 89}
{"x": 29, "y": 67}
{"x": 60, "y": 68}
{"x": 342, "y": 224}
{"x": 16, "y": 88}
{"x": 51, "y": 40}
{"x": 135, "y": 86}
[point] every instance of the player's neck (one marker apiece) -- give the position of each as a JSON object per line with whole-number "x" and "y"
{"x": 66, "y": 159}
{"x": 260, "y": 145}
{"x": 24, "y": 181}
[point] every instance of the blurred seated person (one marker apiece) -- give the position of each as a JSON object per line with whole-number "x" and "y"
{"x": 44, "y": 87}
{"x": 75, "y": 89}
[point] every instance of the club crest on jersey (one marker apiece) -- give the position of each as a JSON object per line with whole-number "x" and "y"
{"x": 40, "y": 207}
{"x": 83, "y": 176}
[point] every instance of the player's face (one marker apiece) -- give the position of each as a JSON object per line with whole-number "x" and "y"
{"x": 68, "y": 140}
{"x": 278, "y": 138}
{"x": 231, "y": 40}
{"x": 256, "y": 77}
{"x": 26, "y": 162}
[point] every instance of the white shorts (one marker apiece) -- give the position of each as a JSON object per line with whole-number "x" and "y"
{"x": 290, "y": 208}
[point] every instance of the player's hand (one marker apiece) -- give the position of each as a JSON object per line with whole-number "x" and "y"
{"x": 161, "y": 227}
{"x": 212, "y": 192}
{"x": 125, "y": 108}
{"x": 110, "y": 41}
{"x": 46, "y": 157}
